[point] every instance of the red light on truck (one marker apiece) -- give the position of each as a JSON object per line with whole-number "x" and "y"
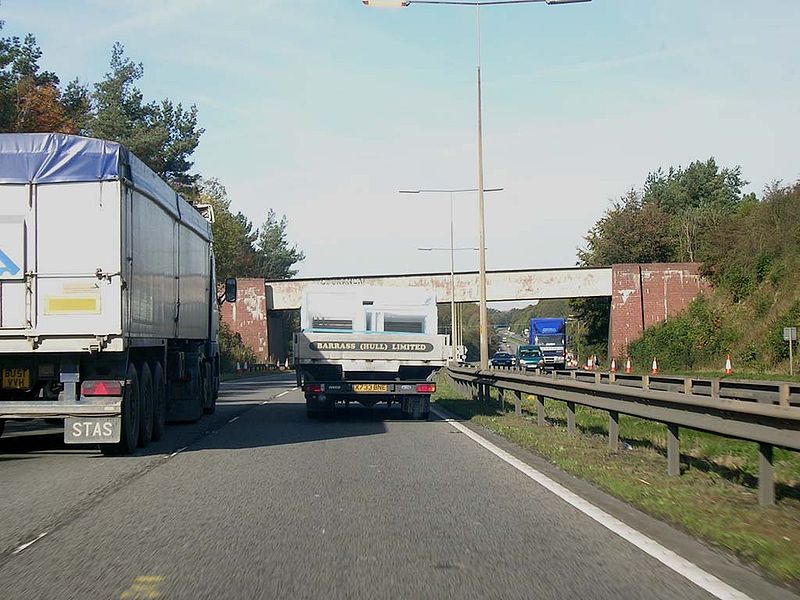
{"x": 426, "y": 388}
{"x": 101, "y": 388}
{"x": 312, "y": 388}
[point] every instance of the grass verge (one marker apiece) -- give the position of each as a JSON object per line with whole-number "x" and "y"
{"x": 715, "y": 498}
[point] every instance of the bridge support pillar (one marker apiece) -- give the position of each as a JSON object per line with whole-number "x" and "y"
{"x": 673, "y": 451}
{"x": 766, "y": 476}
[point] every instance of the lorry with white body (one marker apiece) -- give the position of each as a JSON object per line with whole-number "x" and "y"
{"x": 108, "y": 307}
{"x": 369, "y": 345}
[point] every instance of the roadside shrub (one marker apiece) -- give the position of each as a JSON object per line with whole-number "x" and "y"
{"x": 232, "y": 350}
{"x": 778, "y": 347}
{"x": 696, "y": 337}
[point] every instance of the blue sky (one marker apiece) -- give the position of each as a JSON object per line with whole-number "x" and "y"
{"x": 322, "y": 109}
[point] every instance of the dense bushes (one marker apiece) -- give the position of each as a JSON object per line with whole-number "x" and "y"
{"x": 756, "y": 244}
{"x": 699, "y": 336}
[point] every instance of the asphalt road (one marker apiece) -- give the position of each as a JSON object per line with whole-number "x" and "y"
{"x": 263, "y": 503}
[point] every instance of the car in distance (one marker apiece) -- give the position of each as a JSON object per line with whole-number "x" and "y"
{"x": 530, "y": 358}
{"x": 502, "y": 359}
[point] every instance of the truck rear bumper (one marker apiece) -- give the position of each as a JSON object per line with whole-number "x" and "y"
{"x": 370, "y": 388}
{"x": 98, "y": 407}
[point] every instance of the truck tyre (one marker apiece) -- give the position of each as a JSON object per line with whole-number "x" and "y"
{"x": 129, "y": 436}
{"x": 159, "y": 403}
{"x": 315, "y": 410}
{"x": 417, "y": 408}
{"x": 209, "y": 401}
{"x": 215, "y": 379}
{"x": 2, "y": 426}
{"x": 146, "y": 403}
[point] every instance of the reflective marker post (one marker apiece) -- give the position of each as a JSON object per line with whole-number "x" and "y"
{"x": 790, "y": 335}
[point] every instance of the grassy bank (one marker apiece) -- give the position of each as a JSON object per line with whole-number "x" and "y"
{"x": 715, "y": 499}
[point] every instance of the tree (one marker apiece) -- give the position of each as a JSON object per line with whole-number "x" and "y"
{"x": 697, "y": 199}
{"x": 233, "y": 233}
{"x": 631, "y": 231}
{"x": 30, "y": 99}
{"x": 276, "y": 256}
{"x": 164, "y": 135}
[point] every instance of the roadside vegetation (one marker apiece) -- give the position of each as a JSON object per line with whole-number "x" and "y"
{"x": 714, "y": 499}
{"x": 748, "y": 247}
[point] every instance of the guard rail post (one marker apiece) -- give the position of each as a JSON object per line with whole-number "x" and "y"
{"x": 518, "y": 404}
{"x": 766, "y": 475}
{"x": 613, "y": 430}
{"x": 673, "y": 451}
{"x": 687, "y": 385}
{"x": 540, "y": 417}
{"x": 571, "y": 417}
{"x": 783, "y": 395}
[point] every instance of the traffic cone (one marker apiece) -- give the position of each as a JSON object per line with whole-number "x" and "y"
{"x": 613, "y": 365}
{"x": 245, "y": 367}
{"x": 238, "y": 367}
{"x": 589, "y": 364}
{"x": 286, "y": 365}
{"x": 654, "y": 369}
{"x": 728, "y": 366}
{"x": 628, "y": 367}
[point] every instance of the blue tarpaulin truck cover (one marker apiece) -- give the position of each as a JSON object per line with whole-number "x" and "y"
{"x": 42, "y": 158}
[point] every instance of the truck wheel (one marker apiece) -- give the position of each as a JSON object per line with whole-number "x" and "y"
{"x": 159, "y": 403}
{"x": 416, "y": 407}
{"x": 209, "y": 402}
{"x": 146, "y": 403}
{"x": 2, "y": 426}
{"x": 317, "y": 410}
{"x": 129, "y": 436}
{"x": 215, "y": 379}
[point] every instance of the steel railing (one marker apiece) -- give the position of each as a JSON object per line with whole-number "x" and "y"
{"x": 764, "y": 412}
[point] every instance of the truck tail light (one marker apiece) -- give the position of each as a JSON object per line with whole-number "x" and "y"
{"x": 101, "y": 388}
{"x": 426, "y": 388}
{"x": 313, "y": 388}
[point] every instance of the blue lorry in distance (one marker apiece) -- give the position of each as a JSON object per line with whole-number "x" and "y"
{"x": 550, "y": 334}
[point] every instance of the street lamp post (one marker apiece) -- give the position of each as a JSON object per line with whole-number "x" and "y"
{"x": 452, "y": 249}
{"x": 484, "y": 313}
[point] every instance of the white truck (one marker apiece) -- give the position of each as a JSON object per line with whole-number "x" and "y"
{"x": 370, "y": 345}
{"x": 108, "y": 307}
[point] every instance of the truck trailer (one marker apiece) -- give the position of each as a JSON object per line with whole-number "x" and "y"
{"x": 369, "y": 345}
{"x": 108, "y": 302}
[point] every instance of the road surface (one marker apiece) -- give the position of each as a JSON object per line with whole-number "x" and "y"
{"x": 263, "y": 503}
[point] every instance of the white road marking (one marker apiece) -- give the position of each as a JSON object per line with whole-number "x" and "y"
{"x": 708, "y": 582}
{"x": 283, "y": 393}
{"x": 233, "y": 419}
{"x": 29, "y": 544}
{"x": 178, "y": 451}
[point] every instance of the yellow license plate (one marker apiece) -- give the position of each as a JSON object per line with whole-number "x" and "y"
{"x": 370, "y": 387}
{"x": 16, "y": 379}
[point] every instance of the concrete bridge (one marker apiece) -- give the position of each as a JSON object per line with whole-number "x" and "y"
{"x": 641, "y": 295}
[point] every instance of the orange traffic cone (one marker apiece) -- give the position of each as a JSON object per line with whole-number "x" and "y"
{"x": 728, "y": 366}
{"x": 654, "y": 369}
{"x": 613, "y": 365}
{"x": 589, "y": 363}
{"x": 628, "y": 367}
